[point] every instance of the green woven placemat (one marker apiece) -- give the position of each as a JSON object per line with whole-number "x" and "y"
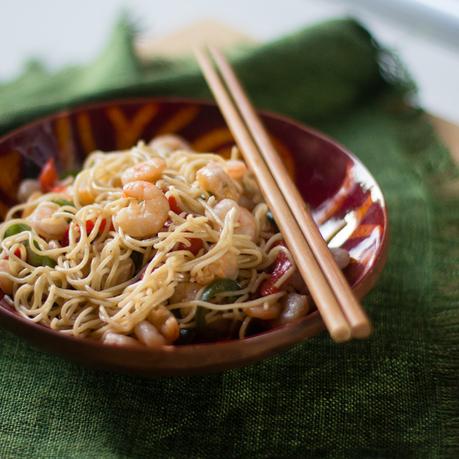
{"x": 394, "y": 395}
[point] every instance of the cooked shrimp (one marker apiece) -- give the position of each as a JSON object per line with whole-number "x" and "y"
{"x": 214, "y": 179}
{"x": 235, "y": 168}
{"x": 295, "y": 306}
{"x": 185, "y": 291}
{"x": 247, "y": 224}
{"x": 341, "y": 256}
{"x": 245, "y": 219}
{"x": 148, "y": 334}
{"x": 143, "y": 219}
{"x": 148, "y": 171}
{"x": 165, "y": 144}
{"x": 265, "y": 311}
{"x": 45, "y": 223}
{"x": 225, "y": 267}
{"x": 165, "y": 322}
{"x": 27, "y": 188}
{"x": 116, "y": 339}
{"x": 6, "y": 284}
{"x": 246, "y": 201}
{"x": 29, "y": 210}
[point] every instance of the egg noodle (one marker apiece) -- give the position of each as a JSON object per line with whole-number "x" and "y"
{"x": 103, "y": 279}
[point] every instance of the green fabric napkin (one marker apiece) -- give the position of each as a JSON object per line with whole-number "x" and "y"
{"x": 395, "y": 395}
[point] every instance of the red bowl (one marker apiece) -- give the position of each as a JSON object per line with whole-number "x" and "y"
{"x": 332, "y": 181}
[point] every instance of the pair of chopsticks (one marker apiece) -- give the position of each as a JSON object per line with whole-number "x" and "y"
{"x": 341, "y": 312}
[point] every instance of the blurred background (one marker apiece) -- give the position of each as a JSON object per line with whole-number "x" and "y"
{"x": 424, "y": 32}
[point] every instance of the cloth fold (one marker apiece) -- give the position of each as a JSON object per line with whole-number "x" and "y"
{"x": 394, "y": 395}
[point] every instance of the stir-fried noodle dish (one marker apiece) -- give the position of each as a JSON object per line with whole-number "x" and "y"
{"x": 151, "y": 246}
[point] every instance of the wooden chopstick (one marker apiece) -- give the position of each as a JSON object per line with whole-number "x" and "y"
{"x": 358, "y": 320}
{"x": 327, "y": 304}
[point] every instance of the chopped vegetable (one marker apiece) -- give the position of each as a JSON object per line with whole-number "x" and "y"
{"x": 16, "y": 229}
{"x": 89, "y": 227}
{"x": 59, "y": 188}
{"x": 219, "y": 286}
{"x": 64, "y": 242}
{"x": 194, "y": 246}
{"x": 341, "y": 257}
{"x": 281, "y": 265}
{"x": 62, "y": 202}
{"x": 215, "y": 287}
{"x": 137, "y": 259}
{"x": 174, "y": 205}
{"x": 67, "y": 174}
{"x": 48, "y": 177}
{"x": 32, "y": 258}
{"x": 35, "y": 259}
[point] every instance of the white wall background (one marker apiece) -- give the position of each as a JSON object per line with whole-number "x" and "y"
{"x": 64, "y": 31}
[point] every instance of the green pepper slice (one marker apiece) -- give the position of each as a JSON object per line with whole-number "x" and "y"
{"x": 32, "y": 258}
{"x": 38, "y": 260}
{"x": 16, "y": 228}
{"x": 66, "y": 174}
{"x": 219, "y": 286}
{"x": 215, "y": 287}
{"x": 63, "y": 202}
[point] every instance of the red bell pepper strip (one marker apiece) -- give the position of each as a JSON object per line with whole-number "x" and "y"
{"x": 173, "y": 205}
{"x": 194, "y": 247}
{"x": 195, "y": 243}
{"x": 89, "y": 227}
{"x": 64, "y": 242}
{"x": 281, "y": 265}
{"x": 59, "y": 188}
{"x": 48, "y": 176}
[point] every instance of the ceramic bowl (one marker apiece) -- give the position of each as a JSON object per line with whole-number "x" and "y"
{"x": 332, "y": 181}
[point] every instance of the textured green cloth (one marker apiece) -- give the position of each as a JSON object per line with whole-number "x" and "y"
{"x": 394, "y": 395}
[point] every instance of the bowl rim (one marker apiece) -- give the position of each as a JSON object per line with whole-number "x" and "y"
{"x": 311, "y": 319}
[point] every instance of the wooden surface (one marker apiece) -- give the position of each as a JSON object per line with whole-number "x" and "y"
{"x": 210, "y": 31}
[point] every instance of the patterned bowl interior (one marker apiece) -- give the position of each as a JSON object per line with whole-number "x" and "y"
{"x": 337, "y": 187}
